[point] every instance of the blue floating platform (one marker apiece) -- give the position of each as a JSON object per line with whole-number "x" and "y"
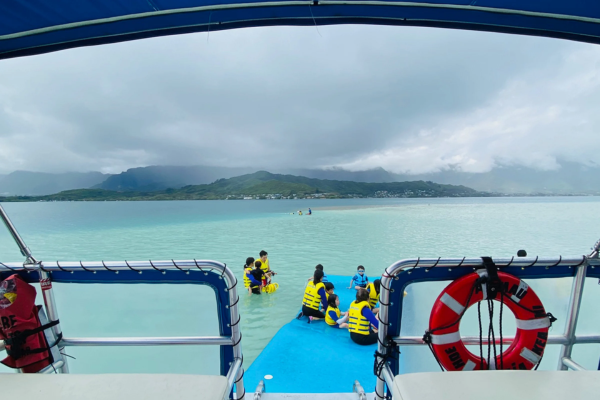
{"x": 314, "y": 358}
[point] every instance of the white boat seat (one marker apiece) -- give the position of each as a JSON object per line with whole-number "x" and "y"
{"x": 112, "y": 387}
{"x": 498, "y": 385}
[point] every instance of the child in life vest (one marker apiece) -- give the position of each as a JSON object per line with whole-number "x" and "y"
{"x": 360, "y": 280}
{"x": 333, "y": 316}
{"x": 253, "y": 284}
{"x": 329, "y": 288}
{"x": 265, "y": 277}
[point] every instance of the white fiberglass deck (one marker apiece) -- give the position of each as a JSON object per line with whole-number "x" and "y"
{"x": 113, "y": 387}
{"x": 498, "y": 385}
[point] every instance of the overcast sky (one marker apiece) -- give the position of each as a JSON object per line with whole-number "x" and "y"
{"x": 405, "y": 99}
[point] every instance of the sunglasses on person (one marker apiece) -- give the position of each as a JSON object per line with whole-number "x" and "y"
{"x": 361, "y": 271}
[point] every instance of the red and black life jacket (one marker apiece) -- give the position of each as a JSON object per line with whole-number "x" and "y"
{"x": 22, "y": 331}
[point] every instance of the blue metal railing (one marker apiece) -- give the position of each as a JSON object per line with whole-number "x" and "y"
{"x": 200, "y": 272}
{"x": 405, "y": 272}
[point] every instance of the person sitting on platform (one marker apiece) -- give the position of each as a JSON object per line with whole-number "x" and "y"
{"x": 374, "y": 288}
{"x": 362, "y": 320}
{"x": 360, "y": 280}
{"x": 314, "y": 295}
{"x": 333, "y": 316}
{"x": 329, "y": 288}
{"x": 320, "y": 267}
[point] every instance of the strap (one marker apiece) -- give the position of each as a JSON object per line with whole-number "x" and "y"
{"x": 14, "y": 344}
{"x": 493, "y": 284}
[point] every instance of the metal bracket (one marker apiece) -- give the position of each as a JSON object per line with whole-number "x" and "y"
{"x": 358, "y": 389}
{"x": 260, "y": 389}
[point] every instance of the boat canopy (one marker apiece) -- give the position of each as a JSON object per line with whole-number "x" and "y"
{"x": 29, "y": 27}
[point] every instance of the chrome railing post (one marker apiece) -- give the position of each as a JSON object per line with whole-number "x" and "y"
{"x": 232, "y": 376}
{"x": 386, "y": 281}
{"x": 573, "y": 314}
{"x": 236, "y": 335}
{"x": 44, "y": 277}
{"x": 567, "y": 362}
{"x": 50, "y": 302}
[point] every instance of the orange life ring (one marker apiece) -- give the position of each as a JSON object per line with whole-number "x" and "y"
{"x": 532, "y": 324}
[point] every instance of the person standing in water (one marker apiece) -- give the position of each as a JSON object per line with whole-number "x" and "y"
{"x": 309, "y": 211}
{"x": 265, "y": 266}
{"x": 249, "y": 266}
{"x": 252, "y": 281}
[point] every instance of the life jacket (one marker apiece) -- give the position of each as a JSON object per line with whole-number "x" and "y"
{"x": 361, "y": 280}
{"x": 252, "y": 278}
{"x": 328, "y": 318}
{"x": 357, "y": 322}
{"x": 249, "y": 279}
{"x": 246, "y": 279}
{"x": 373, "y": 295}
{"x": 22, "y": 331}
{"x": 312, "y": 298}
{"x": 265, "y": 265}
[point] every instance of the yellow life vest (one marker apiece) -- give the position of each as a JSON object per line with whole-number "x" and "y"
{"x": 326, "y": 292}
{"x": 246, "y": 280}
{"x": 373, "y": 295}
{"x": 357, "y": 322}
{"x": 265, "y": 265}
{"x": 328, "y": 319}
{"x": 312, "y": 299}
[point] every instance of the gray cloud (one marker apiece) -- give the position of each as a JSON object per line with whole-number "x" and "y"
{"x": 406, "y": 99}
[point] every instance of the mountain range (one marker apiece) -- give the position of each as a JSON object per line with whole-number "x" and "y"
{"x": 265, "y": 185}
{"x": 571, "y": 178}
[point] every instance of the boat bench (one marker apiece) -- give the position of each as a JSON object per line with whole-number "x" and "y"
{"x": 112, "y": 387}
{"x": 498, "y": 385}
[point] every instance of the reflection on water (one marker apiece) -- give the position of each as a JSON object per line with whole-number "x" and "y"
{"x": 341, "y": 234}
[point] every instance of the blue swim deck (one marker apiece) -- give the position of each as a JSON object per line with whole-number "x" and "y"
{"x": 314, "y": 358}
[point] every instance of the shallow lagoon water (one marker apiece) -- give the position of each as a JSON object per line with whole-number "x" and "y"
{"x": 341, "y": 234}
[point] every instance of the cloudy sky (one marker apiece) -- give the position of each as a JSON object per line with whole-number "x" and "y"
{"x": 405, "y": 99}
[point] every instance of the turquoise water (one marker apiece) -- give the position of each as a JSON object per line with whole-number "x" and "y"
{"x": 340, "y": 235}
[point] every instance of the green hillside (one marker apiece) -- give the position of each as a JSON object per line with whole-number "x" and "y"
{"x": 263, "y": 184}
